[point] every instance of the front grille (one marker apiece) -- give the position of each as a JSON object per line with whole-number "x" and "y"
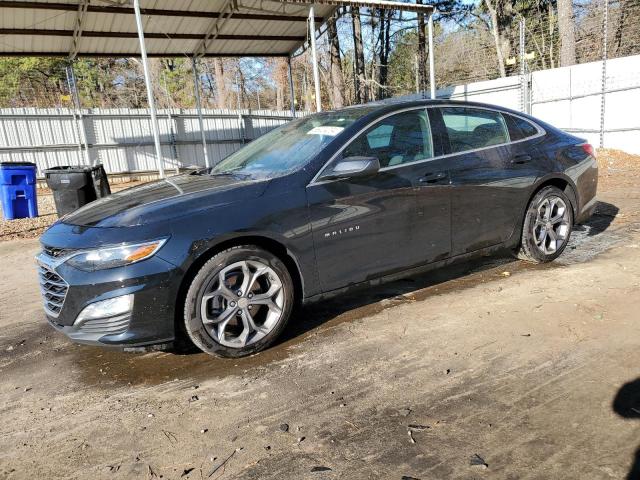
{"x": 53, "y": 289}
{"x": 106, "y": 326}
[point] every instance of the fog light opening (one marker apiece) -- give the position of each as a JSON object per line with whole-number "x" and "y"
{"x": 111, "y": 307}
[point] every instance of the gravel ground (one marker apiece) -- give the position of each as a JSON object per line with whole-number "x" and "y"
{"x": 30, "y": 227}
{"x": 33, "y": 227}
{"x": 615, "y": 164}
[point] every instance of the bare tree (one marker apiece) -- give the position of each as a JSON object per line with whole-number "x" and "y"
{"x": 551, "y": 31}
{"x": 361, "y": 93}
{"x": 620, "y": 27}
{"x": 567, "y": 33}
{"x": 280, "y": 77}
{"x": 385, "y": 48}
{"x": 495, "y": 30}
{"x": 221, "y": 85}
{"x": 422, "y": 51}
{"x": 337, "y": 79}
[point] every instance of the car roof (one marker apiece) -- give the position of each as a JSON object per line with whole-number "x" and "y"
{"x": 373, "y": 110}
{"x": 391, "y": 105}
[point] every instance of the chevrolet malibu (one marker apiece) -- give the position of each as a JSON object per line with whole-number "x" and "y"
{"x": 321, "y": 205}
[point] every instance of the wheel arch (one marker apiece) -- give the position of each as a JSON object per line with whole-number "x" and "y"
{"x": 269, "y": 244}
{"x": 561, "y": 182}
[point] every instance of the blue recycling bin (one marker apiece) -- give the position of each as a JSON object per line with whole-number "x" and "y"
{"x": 18, "y": 190}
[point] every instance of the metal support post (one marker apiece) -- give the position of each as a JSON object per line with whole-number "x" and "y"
{"x": 314, "y": 59}
{"x": 523, "y": 69}
{"x": 196, "y": 86}
{"x": 155, "y": 128}
{"x": 83, "y": 144}
{"x": 570, "y": 98}
{"x": 417, "y": 73}
{"x": 238, "y": 106}
{"x": 172, "y": 142}
{"x": 605, "y": 27}
{"x": 292, "y": 93}
{"x": 241, "y": 128}
{"x": 432, "y": 70}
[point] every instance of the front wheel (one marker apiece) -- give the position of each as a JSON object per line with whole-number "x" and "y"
{"x": 239, "y": 302}
{"x": 547, "y": 226}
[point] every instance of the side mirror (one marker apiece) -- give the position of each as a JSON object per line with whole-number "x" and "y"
{"x": 353, "y": 167}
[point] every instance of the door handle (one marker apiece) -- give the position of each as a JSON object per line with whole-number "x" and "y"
{"x": 520, "y": 159}
{"x": 434, "y": 177}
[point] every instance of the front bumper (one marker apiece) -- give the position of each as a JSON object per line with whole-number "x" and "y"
{"x": 152, "y": 282}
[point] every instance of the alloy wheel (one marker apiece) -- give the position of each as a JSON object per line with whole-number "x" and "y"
{"x": 242, "y": 303}
{"x": 551, "y": 228}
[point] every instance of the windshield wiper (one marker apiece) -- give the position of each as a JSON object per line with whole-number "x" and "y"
{"x": 201, "y": 171}
{"x": 231, "y": 173}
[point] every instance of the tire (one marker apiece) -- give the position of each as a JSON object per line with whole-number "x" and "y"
{"x": 550, "y": 207}
{"x": 222, "y": 320}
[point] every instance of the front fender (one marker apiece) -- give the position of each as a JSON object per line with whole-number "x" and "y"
{"x": 262, "y": 222}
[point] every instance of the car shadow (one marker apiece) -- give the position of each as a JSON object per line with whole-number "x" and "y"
{"x": 368, "y": 300}
{"x": 627, "y": 405}
{"x": 601, "y": 219}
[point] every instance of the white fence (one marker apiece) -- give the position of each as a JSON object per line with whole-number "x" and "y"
{"x": 122, "y": 140}
{"x": 505, "y": 92}
{"x": 571, "y": 98}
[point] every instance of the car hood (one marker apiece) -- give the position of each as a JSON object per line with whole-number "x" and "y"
{"x": 165, "y": 199}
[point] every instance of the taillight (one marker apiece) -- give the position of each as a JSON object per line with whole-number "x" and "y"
{"x": 588, "y": 149}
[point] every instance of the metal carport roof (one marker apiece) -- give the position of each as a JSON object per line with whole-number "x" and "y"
{"x": 171, "y": 28}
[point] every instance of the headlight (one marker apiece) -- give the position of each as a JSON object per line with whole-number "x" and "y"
{"x": 112, "y": 257}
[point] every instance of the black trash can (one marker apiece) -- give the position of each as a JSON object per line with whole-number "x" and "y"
{"x": 74, "y": 187}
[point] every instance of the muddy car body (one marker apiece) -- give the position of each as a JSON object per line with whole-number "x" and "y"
{"x": 325, "y": 203}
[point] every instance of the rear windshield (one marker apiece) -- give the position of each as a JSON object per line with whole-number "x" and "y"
{"x": 289, "y": 147}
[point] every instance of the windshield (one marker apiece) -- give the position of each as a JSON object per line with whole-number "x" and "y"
{"x": 288, "y": 147}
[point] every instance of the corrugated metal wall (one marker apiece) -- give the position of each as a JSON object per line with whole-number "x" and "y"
{"x": 121, "y": 139}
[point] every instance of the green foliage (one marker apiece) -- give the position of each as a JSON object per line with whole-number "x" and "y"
{"x": 402, "y": 70}
{"x": 29, "y": 77}
{"x": 175, "y": 81}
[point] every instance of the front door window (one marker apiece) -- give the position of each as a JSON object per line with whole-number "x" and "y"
{"x": 396, "y": 140}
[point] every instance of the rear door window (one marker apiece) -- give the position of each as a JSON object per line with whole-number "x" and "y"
{"x": 473, "y": 128}
{"x": 519, "y": 128}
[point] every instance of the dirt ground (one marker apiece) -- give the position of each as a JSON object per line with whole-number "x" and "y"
{"x": 492, "y": 369}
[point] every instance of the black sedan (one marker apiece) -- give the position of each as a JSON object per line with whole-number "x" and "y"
{"x": 320, "y": 205}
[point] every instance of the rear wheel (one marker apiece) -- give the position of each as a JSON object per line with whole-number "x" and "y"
{"x": 547, "y": 226}
{"x": 239, "y": 302}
